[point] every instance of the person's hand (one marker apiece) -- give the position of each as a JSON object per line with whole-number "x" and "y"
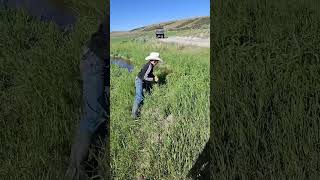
{"x": 156, "y": 78}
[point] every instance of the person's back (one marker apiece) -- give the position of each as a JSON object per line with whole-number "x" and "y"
{"x": 146, "y": 72}
{"x": 99, "y": 41}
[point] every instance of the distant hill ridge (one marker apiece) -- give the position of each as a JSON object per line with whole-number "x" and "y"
{"x": 190, "y": 23}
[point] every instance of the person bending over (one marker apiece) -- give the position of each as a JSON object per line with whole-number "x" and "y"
{"x": 144, "y": 80}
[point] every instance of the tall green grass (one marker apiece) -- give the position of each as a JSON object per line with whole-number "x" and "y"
{"x": 174, "y": 124}
{"x": 265, "y": 90}
{"x": 40, "y": 92}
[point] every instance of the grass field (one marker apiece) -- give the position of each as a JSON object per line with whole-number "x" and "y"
{"x": 40, "y": 91}
{"x": 265, "y": 90}
{"x": 265, "y": 104}
{"x": 174, "y": 125}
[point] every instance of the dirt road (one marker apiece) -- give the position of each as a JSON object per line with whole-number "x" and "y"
{"x": 193, "y": 41}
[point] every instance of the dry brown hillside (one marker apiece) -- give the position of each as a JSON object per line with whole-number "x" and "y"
{"x": 192, "y": 23}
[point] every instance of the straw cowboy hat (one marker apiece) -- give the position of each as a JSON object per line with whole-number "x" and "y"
{"x": 154, "y": 56}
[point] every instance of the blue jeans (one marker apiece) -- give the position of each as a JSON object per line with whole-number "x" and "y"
{"x": 93, "y": 120}
{"x": 138, "y": 97}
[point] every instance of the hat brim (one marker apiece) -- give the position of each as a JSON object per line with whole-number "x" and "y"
{"x": 149, "y": 58}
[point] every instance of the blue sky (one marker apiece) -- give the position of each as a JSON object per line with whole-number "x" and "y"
{"x": 129, "y": 14}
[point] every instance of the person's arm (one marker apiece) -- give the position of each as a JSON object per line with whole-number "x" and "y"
{"x": 145, "y": 77}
